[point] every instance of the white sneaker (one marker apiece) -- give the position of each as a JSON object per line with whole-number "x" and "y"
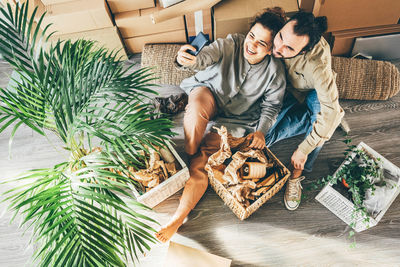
{"x": 345, "y": 126}
{"x": 292, "y": 195}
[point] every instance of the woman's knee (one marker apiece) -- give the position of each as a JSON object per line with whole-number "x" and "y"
{"x": 201, "y": 101}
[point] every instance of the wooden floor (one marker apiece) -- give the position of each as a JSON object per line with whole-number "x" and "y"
{"x": 272, "y": 236}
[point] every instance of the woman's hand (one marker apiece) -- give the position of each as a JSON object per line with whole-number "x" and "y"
{"x": 184, "y": 58}
{"x": 258, "y": 140}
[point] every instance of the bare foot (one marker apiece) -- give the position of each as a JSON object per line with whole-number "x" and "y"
{"x": 168, "y": 231}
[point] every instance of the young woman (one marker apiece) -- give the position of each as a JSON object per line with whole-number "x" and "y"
{"x": 238, "y": 85}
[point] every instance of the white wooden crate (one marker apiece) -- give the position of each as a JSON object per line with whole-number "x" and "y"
{"x": 344, "y": 208}
{"x": 167, "y": 188}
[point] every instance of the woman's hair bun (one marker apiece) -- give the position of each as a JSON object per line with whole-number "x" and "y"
{"x": 277, "y": 11}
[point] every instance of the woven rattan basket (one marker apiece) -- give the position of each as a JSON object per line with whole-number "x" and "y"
{"x": 240, "y": 211}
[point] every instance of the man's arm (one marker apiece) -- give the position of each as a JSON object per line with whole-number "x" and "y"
{"x": 331, "y": 113}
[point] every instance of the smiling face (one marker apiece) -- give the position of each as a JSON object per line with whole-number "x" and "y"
{"x": 287, "y": 44}
{"x": 257, "y": 44}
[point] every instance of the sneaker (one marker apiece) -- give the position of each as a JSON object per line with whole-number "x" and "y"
{"x": 292, "y": 196}
{"x": 344, "y": 125}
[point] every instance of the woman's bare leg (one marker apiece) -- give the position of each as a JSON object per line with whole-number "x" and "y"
{"x": 194, "y": 189}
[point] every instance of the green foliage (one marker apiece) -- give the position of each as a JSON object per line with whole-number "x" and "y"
{"x": 80, "y": 210}
{"x": 359, "y": 172}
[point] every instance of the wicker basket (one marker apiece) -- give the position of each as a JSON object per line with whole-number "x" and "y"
{"x": 241, "y": 212}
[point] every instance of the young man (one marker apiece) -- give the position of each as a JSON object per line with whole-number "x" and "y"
{"x": 239, "y": 85}
{"x": 311, "y": 105}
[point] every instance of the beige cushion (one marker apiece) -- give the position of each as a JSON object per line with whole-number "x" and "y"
{"x": 365, "y": 79}
{"x": 161, "y": 57}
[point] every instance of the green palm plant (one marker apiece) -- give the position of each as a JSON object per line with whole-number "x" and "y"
{"x": 81, "y": 211}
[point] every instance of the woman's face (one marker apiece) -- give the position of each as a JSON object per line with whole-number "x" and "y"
{"x": 258, "y": 44}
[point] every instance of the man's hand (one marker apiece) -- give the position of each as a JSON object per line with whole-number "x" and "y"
{"x": 184, "y": 58}
{"x": 298, "y": 159}
{"x": 258, "y": 140}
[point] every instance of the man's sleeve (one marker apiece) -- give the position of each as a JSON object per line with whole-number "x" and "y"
{"x": 331, "y": 113}
{"x": 272, "y": 100}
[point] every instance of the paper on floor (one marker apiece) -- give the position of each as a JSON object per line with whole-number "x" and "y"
{"x": 182, "y": 256}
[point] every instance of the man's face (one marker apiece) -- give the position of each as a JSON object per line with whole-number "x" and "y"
{"x": 258, "y": 44}
{"x": 287, "y": 44}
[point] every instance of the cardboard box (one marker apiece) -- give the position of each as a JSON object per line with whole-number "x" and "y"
{"x": 306, "y": 5}
{"x": 106, "y": 37}
{"x": 167, "y": 3}
{"x": 51, "y": 2}
{"x": 78, "y": 16}
{"x": 169, "y": 187}
{"x": 135, "y": 44}
{"x": 235, "y": 16}
{"x": 31, "y": 6}
{"x": 344, "y": 14}
{"x": 343, "y": 208}
{"x": 343, "y": 41}
{"x": 138, "y": 23}
{"x": 118, "y": 6}
{"x": 199, "y": 21}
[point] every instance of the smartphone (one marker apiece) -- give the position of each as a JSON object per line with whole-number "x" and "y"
{"x": 199, "y": 42}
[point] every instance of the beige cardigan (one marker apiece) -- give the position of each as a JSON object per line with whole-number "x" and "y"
{"x": 313, "y": 70}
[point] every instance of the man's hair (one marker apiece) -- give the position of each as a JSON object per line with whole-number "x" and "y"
{"x": 307, "y": 24}
{"x": 272, "y": 19}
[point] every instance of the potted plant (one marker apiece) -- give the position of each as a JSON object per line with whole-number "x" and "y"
{"x": 81, "y": 211}
{"x": 357, "y": 177}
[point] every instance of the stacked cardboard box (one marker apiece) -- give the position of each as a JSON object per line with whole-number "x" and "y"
{"x": 348, "y": 20}
{"x": 235, "y": 16}
{"x": 343, "y": 41}
{"x": 137, "y": 29}
{"x": 199, "y": 21}
{"x": 87, "y": 19}
{"x": 118, "y": 6}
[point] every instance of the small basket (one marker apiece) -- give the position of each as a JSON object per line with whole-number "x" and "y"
{"x": 241, "y": 212}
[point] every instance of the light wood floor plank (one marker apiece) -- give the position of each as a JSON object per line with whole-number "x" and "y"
{"x": 272, "y": 236}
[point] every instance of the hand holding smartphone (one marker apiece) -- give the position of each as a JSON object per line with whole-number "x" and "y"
{"x": 199, "y": 42}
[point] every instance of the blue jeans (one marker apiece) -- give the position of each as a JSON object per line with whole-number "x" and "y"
{"x": 295, "y": 119}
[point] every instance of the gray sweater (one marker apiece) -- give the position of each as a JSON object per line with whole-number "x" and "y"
{"x": 248, "y": 97}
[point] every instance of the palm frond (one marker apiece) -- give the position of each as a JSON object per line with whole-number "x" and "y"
{"x": 81, "y": 211}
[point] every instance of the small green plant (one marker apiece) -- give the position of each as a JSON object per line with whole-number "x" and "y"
{"x": 359, "y": 173}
